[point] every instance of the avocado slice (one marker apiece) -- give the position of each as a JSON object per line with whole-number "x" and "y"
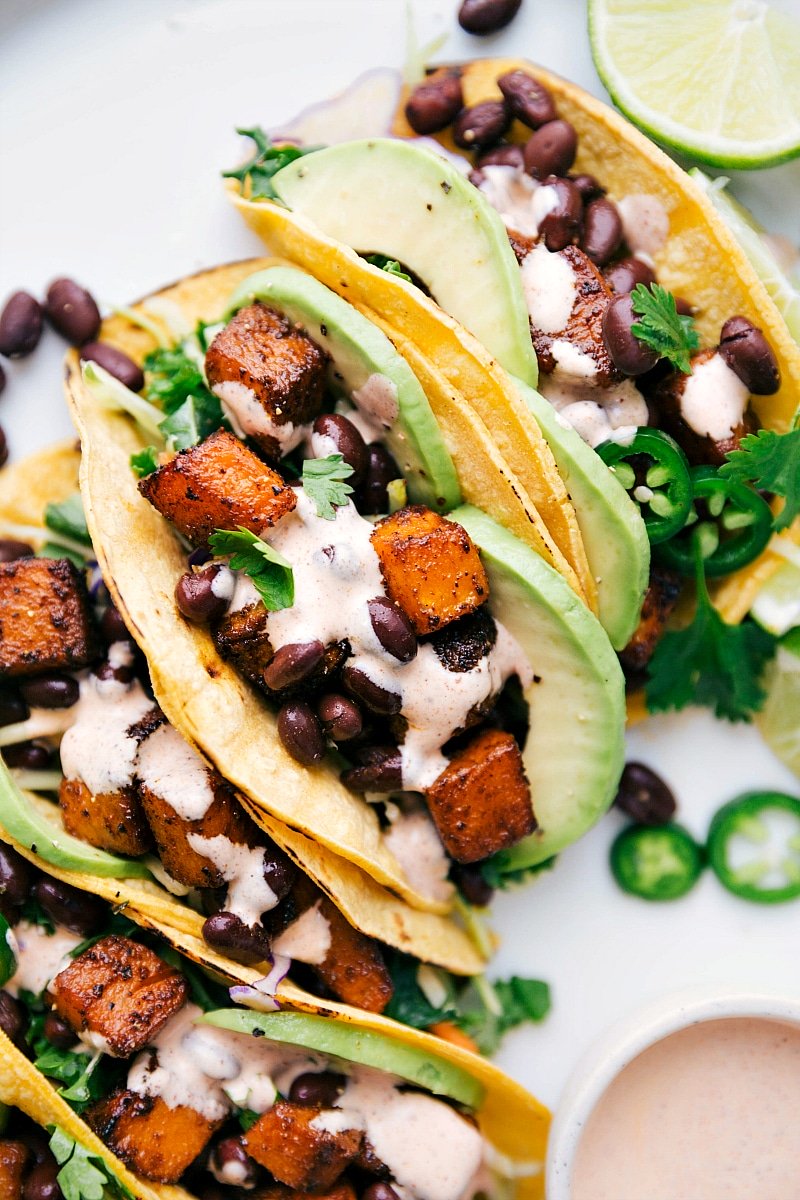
{"x": 348, "y": 1041}
{"x": 359, "y": 350}
{"x": 23, "y": 819}
{"x": 386, "y": 196}
{"x": 574, "y": 752}
{"x": 611, "y": 526}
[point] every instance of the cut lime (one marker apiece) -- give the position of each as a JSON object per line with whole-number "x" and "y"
{"x": 779, "y": 720}
{"x": 777, "y": 604}
{"x": 750, "y": 236}
{"x": 718, "y": 80}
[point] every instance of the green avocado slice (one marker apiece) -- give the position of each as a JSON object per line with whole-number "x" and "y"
{"x": 613, "y": 531}
{"x": 386, "y": 196}
{"x": 367, "y": 1047}
{"x": 20, "y": 817}
{"x": 574, "y": 752}
{"x": 359, "y": 350}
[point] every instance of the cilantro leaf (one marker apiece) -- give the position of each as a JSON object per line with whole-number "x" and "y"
{"x": 57, "y": 550}
{"x": 409, "y": 1005}
{"x": 171, "y": 377}
{"x": 662, "y": 327}
{"x": 34, "y": 914}
{"x": 68, "y": 519}
{"x": 270, "y": 572}
{"x": 267, "y": 160}
{"x": 246, "y": 1118}
{"x": 390, "y": 265}
{"x": 710, "y": 663}
{"x": 196, "y": 418}
{"x": 323, "y": 481}
{"x": 144, "y": 462}
{"x": 488, "y": 1011}
{"x": 84, "y": 1175}
{"x": 770, "y": 461}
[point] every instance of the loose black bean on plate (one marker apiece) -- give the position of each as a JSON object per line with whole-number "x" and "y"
{"x": 551, "y": 149}
{"x": 644, "y": 796}
{"x": 749, "y": 355}
{"x": 481, "y": 126}
{"x": 487, "y": 16}
{"x": 72, "y": 311}
{"x": 20, "y": 325}
{"x": 527, "y": 99}
{"x": 434, "y": 104}
{"x": 115, "y": 362}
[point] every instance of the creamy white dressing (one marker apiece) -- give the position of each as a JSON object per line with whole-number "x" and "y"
{"x": 612, "y": 413}
{"x": 415, "y": 843}
{"x": 377, "y": 400}
{"x": 173, "y": 771}
{"x": 244, "y": 593}
{"x": 98, "y": 748}
{"x": 714, "y": 399}
{"x": 572, "y": 363}
{"x": 41, "y": 722}
{"x": 510, "y": 191}
{"x": 120, "y": 654}
{"x": 223, "y": 584}
{"x": 249, "y": 418}
{"x": 550, "y": 287}
{"x": 645, "y": 223}
{"x": 40, "y": 956}
{"x": 308, "y": 939}
{"x": 370, "y": 430}
{"x": 242, "y": 867}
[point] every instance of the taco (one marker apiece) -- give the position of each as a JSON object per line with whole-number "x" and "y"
{"x": 191, "y": 1076}
{"x": 133, "y": 814}
{"x": 424, "y": 630}
{"x": 570, "y": 229}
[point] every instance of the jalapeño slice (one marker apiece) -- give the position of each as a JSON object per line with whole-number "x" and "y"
{"x": 656, "y": 862}
{"x": 729, "y": 523}
{"x": 753, "y": 857}
{"x": 655, "y": 473}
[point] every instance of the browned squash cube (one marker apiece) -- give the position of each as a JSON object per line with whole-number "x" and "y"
{"x": 45, "y": 617}
{"x": 154, "y": 1140}
{"x": 279, "y": 363}
{"x": 311, "y": 1160}
{"x": 584, "y": 329}
{"x": 13, "y": 1160}
{"x": 431, "y": 567}
{"x": 121, "y": 991}
{"x": 112, "y": 821}
{"x": 171, "y": 832}
{"x": 481, "y": 802}
{"x": 218, "y": 484}
{"x": 661, "y": 597}
{"x": 242, "y": 638}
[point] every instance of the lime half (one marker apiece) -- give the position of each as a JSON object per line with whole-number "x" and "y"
{"x": 779, "y": 719}
{"x": 718, "y": 80}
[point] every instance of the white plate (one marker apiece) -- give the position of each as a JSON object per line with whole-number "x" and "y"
{"x": 114, "y": 122}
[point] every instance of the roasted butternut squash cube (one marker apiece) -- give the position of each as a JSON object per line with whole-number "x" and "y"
{"x": 13, "y": 1160}
{"x": 154, "y": 1140}
{"x": 431, "y": 567}
{"x": 181, "y": 860}
{"x": 46, "y": 619}
{"x": 242, "y": 637}
{"x": 218, "y": 484}
{"x": 284, "y": 1141}
{"x": 121, "y": 991}
{"x": 280, "y": 366}
{"x": 481, "y": 802}
{"x": 112, "y": 821}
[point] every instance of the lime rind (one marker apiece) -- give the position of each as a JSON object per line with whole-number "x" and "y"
{"x": 779, "y": 720}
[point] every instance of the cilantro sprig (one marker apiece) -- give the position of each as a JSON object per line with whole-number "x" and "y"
{"x": 266, "y": 161}
{"x": 770, "y": 461}
{"x": 390, "y": 265}
{"x": 661, "y": 326}
{"x": 84, "y": 1175}
{"x": 176, "y": 384}
{"x": 271, "y": 574}
{"x": 324, "y": 481}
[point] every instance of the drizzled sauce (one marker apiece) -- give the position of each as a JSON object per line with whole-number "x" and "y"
{"x": 249, "y": 418}
{"x": 40, "y": 956}
{"x": 98, "y": 748}
{"x": 714, "y": 399}
{"x": 308, "y": 939}
{"x": 171, "y": 769}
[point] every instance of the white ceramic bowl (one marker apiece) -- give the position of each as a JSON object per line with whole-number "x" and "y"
{"x": 627, "y": 1039}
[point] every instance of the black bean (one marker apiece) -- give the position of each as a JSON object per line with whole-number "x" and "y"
{"x": 29, "y": 756}
{"x": 112, "y": 626}
{"x": 380, "y": 1190}
{"x": 381, "y": 470}
{"x": 380, "y": 770}
{"x": 623, "y": 276}
{"x": 501, "y": 156}
{"x": 393, "y": 629}
{"x": 550, "y": 150}
{"x": 116, "y": 363}
{"x": 3, "y": 447}
{"x": 20, "y": 325}
{"x": 13, "y": 708}
{"x": 12, "y": 1018}
{"x": 434, "y": 104}
{"x": 51, "y": 690}
{"x": 340, "y": 716}
{"x": 469, "y": 880}
{"x": 602, "y": 230}
{"x": 561, "y": 226}
{"x": 684, "y": 308}
{"x": 2, "y": 380}
{"x": 487, "y": 16}
{"x": 527, "y": 99}
{"x": 347, "y": 440}
{"x": 121, "y": 672}
{"x": 279, "y": 872}
{"x": 16, "y": 876}
{"x": 196, "y": 597}
{"x": 10, "y": 550}
{"x": 42, "y": 1183}
{"x": 749, "y": 355}
{"x": 229, "y": 1152}
{"x": 588, "y": 186}
{"x": 243, "y": 943}
{"x": 65, "y": 905}
{"x": 376, "y": 698}
{"x": 644, "y": 796}
{"x": 481, "y": 126}
{"x": 301, "y": 733}
{"x": 72, "y": 311}
{"x": 37, "y": 1142}
{"x": 58, "y": 1032}
{"x": 629, "y": 355}
{"x": 292, "y": 663}
{"x": 317, "y": 1089}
